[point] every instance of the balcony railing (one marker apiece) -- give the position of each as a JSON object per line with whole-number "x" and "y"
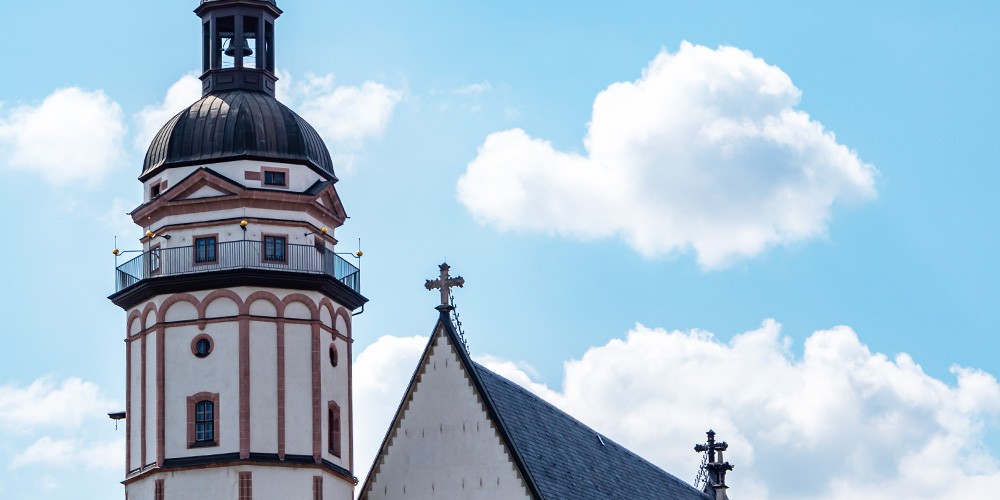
{"x": 237, "y": 255}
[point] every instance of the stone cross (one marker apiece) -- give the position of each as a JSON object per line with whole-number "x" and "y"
{"x": 445, "y": 282}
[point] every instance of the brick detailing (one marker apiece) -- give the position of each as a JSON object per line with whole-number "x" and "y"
{"x": 244, "y": 388}
{"x": 316, "y": 395}
{"x": 246, "y": 486}
{"x": 317, "y": 487}
{"x": 142, "y": 402}
{"x": 281, "y": 388}
{"x": 158, "y": 489}
{"x": 161, "y": 366}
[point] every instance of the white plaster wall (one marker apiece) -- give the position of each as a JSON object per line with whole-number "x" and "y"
{"x": 150, "y": 411}
{"x": 263, "y": 387}
{"x": 299, "y": 177}
{"x": 298, "y": 389}
{"x": 134, "y": 410}
{"x": 187, "y": 375}
{"x": 445, "y": 446}
{"x": 269, "y": 483}
{"x": 335, "y": 388}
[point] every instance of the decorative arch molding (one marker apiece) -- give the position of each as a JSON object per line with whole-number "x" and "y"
{"x": 326, "y": 303}
{"x": 134, "y": 316}
{"x": 279, "y": 306}
{"x": 342, "y": 312}
{"x": 212, "y": 297}
{"x": 150, "y": 307}
{"x": 161, "y": 314}
{"x": 304, "y": 300}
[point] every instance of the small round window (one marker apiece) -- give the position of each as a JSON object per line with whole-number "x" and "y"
{"x": 333, "y": 355}
{"x": 202, "y": 346}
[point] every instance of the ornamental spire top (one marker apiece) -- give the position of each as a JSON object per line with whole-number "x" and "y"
{"x": 445, "y": 283}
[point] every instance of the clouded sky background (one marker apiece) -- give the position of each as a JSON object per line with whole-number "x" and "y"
{"x": 774, "y": 220}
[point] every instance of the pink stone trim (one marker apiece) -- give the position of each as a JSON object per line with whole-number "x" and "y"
{"x": 128, "y": 405}
{"x": 161, "y": 428}
{"x": 244, "y": 377}
{"x": 142, "y": 401}
{"x": 316, "y": 396}
{"x": 251, "y": 175}
{"x": 281, "y": 388}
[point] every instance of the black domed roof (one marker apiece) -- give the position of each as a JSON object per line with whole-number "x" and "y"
{"x": 233, "y": 125}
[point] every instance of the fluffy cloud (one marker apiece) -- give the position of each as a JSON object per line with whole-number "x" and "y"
{"x": 705, "y": 151}
{"x": 73, "y": 135}
{"x": 836, "y": 422}
{"x": 345, "y": 116}
{"x": 44, "y": 404}
{"x": 381, "y": 374}
{"x": 50, "y": 452}
{"x": 150, "y": 119}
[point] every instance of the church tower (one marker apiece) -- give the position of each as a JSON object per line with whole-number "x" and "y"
{"x": 239, "y": 308}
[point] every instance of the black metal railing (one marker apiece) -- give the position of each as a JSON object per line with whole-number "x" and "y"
{"x": 237, "y": 255}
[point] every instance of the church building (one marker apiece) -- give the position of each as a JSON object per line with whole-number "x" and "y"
{"x": 238, "y": 343}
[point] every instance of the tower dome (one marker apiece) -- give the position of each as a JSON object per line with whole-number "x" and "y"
{"x": 237, "y": 124}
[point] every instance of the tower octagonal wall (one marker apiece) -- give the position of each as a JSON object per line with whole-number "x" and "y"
{"x": 264, "y": 366}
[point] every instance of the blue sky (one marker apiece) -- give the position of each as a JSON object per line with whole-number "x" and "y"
{"x": 898, "y": 259}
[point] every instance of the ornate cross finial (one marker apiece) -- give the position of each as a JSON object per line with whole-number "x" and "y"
{"x": 714, "y": 469}
{"x": 445, "y": 282}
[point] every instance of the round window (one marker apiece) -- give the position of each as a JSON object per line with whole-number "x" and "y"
{"x": 202, "y": 346}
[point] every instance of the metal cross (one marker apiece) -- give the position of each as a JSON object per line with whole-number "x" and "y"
{"x": 445, "y": 282}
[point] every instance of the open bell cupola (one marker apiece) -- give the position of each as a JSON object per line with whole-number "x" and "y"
{"x": 238, "y": 45}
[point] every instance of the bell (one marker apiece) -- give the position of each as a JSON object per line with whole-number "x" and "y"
{"x": 231, "y": 51}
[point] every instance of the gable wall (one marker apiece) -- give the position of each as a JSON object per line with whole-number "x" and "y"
{"x": 445, "y": 446}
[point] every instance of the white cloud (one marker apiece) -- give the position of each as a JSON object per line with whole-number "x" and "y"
{"x": 474, "y": 88}
{"x": 72, "y": 135}
{"x": 345, "y": 116}
{"x": 150, "y": 119}
{"x": 43, "y": 404}
{"x": 75, "y": 453}
{"x": 836, "y": 422}
{"x": 705, "y": 151}
{"x": 381, "y": 374}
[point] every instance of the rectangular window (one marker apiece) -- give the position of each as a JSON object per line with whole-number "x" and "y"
{"x": 204, "y": 249}
{"x": 154, "y": 190}
{"x": 275, "y": 178}
{"x": 246, "y": 486}
{"x": 154, "y": 261}
{"x": 333, "y": 419}
{"x": 274, "y": 248}
{"x": 317, "y": 487}
{"x": 203, "y": 420}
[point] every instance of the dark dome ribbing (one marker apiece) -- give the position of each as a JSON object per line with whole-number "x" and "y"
{"x": 234, "y": 125}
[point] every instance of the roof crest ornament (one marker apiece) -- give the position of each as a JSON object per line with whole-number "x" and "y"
{"x": 445, "y": 283}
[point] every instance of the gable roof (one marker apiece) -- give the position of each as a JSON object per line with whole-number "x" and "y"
{"x": 558, "y": 457}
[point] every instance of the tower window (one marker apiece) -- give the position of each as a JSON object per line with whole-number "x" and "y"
{"x": 202, "y": 345}
{"x": 274, "y": 248}
{"x": 276, "y": 177}
{"x": 154, "y": 190}
{"x": 203, "y": 420}
{"x": 333, "y": 419}
{"x": 333, "y": 355}
{"x": 204, "y": 249}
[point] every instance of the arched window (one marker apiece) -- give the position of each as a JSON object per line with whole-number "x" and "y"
{"x": 333, "y": 419}
{"x": 203, "y": 420}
